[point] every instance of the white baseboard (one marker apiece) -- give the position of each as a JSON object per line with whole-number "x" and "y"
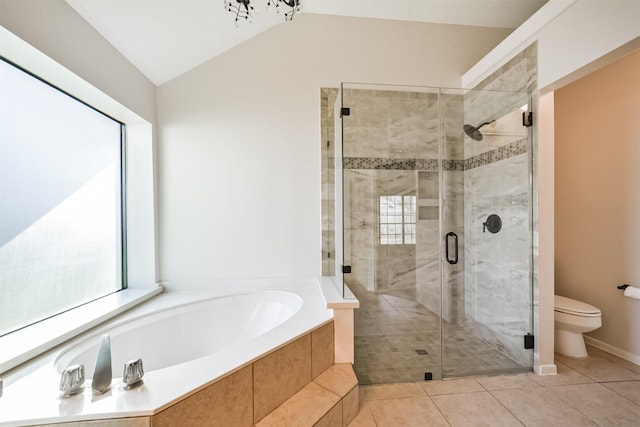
{"x": 543, "y": 369}
{"x": 633, "y": 358}
{"x": 546, "y": 370}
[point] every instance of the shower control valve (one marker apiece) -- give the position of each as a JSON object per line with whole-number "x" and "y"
{"x": 493, "y": 224}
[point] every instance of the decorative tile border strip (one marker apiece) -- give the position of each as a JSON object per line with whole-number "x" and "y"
{"x": 389, "y": 164}
{"x": 501, "y": 153}
{"x": 453, "y": 165}
{"x": 506, "y": 151}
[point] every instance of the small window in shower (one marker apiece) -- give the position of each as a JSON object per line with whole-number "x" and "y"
{"x": 397, "y": 220}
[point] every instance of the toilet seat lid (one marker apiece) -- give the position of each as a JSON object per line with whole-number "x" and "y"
{"x": 571, "y": 306}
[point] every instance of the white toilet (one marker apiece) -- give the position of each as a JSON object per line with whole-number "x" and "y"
{"x": 572, "y": 319}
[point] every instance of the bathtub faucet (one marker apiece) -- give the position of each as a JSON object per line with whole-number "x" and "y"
{"x": 101, "y": 382}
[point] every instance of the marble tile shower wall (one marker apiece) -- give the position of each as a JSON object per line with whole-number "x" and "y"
{"x": 391, "y": 147}
{"x": 327, "y": 101}
{"x": 384, "y": 136}
{"x": 497, "y": 281}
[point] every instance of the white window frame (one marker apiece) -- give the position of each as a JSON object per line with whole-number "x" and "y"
{"x": 20, "y": 346}
{"x": 397, "y": 226}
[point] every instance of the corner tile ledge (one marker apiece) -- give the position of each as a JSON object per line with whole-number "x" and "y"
{"x": 332, "y": 290}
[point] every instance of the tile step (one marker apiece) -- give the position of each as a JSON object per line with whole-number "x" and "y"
{"x": 329, "y": 400}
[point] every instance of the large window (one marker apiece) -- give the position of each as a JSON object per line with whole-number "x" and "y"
{"x": 61, "y": 209}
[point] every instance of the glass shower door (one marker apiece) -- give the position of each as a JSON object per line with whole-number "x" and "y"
{"x": 435, "y": 223}
{"x": 486, "y": 232}
{"x": 390, "y": 151}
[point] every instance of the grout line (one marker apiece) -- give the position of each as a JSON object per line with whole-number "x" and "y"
{"x": 569, "y": 403}
{"x": 440, "y": 411}
{"x": 505, "y": 407}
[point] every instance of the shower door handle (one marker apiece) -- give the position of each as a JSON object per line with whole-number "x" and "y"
{"x": 455, "y": 246}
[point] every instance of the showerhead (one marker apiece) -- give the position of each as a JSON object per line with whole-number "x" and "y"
{"x": 474, "y": 132}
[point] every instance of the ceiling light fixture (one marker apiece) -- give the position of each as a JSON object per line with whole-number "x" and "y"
{"x": 294, "y": 6}
{"x": 242, "y": 9}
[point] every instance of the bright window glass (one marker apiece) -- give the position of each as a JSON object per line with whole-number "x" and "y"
{"x": 61, "y": 233}
{"x": 397, "y": 220}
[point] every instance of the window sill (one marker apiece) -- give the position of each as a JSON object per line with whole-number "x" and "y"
{"x": 22, "y": 345}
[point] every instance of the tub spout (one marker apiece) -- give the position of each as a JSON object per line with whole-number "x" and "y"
{"x": 101, "y": 382}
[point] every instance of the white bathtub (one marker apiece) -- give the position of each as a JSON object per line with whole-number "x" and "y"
{"x": 186, "y": 339}
{"x": 183, "y": 333}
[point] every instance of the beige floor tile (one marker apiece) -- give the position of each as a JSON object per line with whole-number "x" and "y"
{"x": 615, "y": 359}
{"x": 600, "y": 369}
{"x": 628, "y": 389}
{"x": 457, "y": 385}
{"x": 602, "y": 405}
{"x": 504, "y": 382}
{"x": 474, "y": 410}
{"x": 566, "y": 376}
{"x": 538, "y": 406}
{"x": 392, "y": 391}
{"x": 411, "y": 411}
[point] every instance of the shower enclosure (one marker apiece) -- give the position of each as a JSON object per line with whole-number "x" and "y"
{"x": 433, "y": 229}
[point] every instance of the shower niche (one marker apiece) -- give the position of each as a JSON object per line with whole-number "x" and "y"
{"x": 411, "y": 168}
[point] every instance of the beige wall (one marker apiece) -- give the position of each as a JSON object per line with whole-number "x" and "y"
{"x": 239, "y": 147}
{"x": 597, "y": 197}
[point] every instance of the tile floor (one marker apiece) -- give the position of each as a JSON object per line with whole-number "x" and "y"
{"x": 398, "y": 339}
{"x": 602, "y": 390}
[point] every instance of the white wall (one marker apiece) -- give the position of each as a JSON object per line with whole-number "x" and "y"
{"x": 572, "y": 35}
{"x": 54, "y": 28}
{"x": 586, "y": 31}
{"x": 239, "y": 148}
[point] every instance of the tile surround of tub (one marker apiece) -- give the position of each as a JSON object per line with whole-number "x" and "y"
{"x": 322, "y": 349}
{"x": 281, "y": 374}
{"x": 205, "y": 407}
{"x": 333, "y": 418}
{"x": 330, "y": 400}
{"x": 350, "y": 405}
{"x": 119, "y": 422}
{"x": 257, "y": 389}
{"x": 303, "y": 409}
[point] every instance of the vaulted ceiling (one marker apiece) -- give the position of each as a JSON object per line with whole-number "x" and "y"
{"x": 165, "y": 38}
